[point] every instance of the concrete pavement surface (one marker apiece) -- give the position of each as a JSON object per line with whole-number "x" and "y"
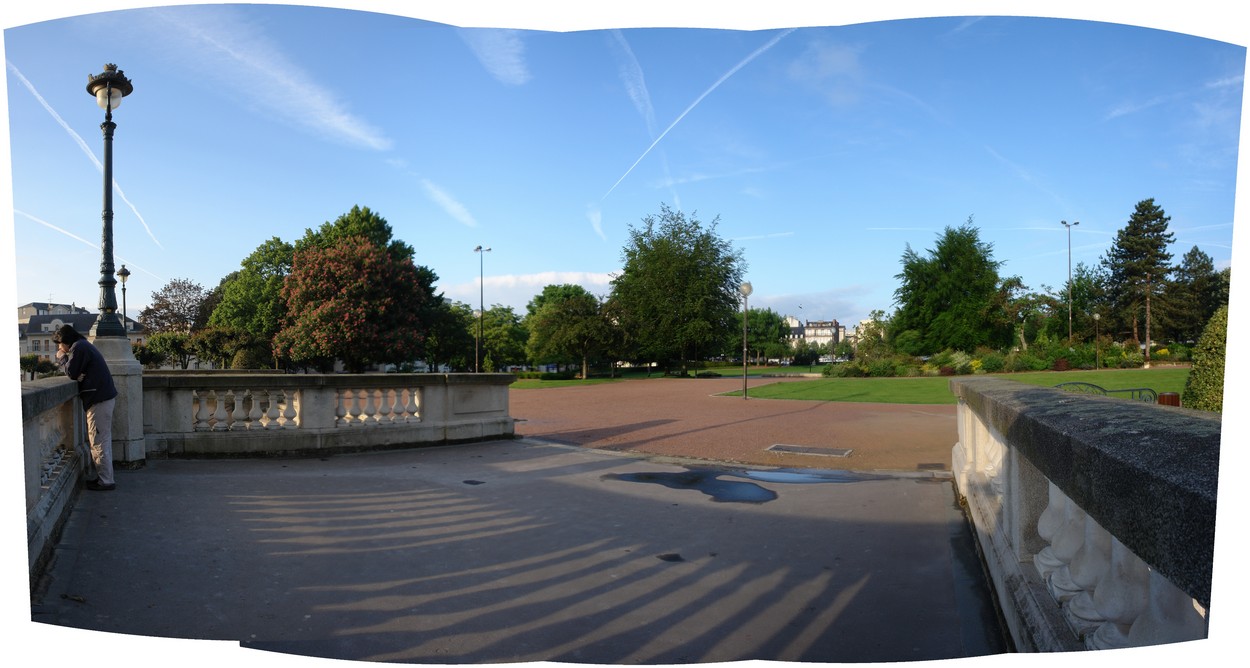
{"x": 688, "y": 417}
{"x": 525, "y": 550}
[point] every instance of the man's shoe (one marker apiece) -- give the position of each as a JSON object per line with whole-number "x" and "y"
{"x": 96, "y": 486}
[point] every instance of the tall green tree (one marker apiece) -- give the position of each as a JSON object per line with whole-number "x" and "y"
{"x": 251, "y": 298}
{"x": 677, "y": 293}
{"x": 1138, "y": 263}
{"x": 503, "y": 338}
{"x": 567, "y": 325}
{"x": 171, "y": 346}
{"x": 1192, "y": 296}
{"x": 450, "y": 337}
{"x": 951, "y": 296}
{"x": 767, "y": 335}
{"x": 359, "y": 222}
{"x": 353, "y": 301}
{"x": 176, "y": 307}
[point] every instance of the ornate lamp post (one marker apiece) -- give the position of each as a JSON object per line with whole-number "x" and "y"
{"x": 481, "y": 303}
{"x": 108, "y": 88}
{"x": 746, "y": 290}
{"x": 1069, "y": 226}
{"x": 123, "y": 274}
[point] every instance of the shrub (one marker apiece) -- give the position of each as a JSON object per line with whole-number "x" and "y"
{"x": 992, "y": 362}
{"x": 882, "y": 368}
{"x": 1025, "y": 361}
{"x": 1131, "y": 359}
{"x": 1204, "y": 389}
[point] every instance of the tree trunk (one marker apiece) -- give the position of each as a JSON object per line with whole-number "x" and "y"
{"x": 1147, "y": 322}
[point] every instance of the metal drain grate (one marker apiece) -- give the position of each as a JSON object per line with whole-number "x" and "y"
{"x": 808, "y": 450}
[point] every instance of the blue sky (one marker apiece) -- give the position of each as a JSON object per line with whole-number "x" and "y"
{"x": 825, "y": 150}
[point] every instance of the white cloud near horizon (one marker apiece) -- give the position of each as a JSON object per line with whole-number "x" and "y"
{"x": 501, "y": 52}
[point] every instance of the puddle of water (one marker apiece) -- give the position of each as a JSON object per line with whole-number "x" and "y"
{"x": 706, "y": 481}
{"x": 809, "y": 476}
{"x": 710, "y": 482}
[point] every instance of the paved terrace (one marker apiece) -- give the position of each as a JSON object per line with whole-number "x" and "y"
{"x": 637, "y": 548}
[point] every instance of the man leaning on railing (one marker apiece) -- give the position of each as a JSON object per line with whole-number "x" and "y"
{"x": 83, "y": 362}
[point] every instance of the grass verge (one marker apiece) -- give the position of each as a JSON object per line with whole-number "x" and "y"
{"x": 936, "y": 389}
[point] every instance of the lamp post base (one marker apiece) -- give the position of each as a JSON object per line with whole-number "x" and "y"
{"x": 129, "y": 448}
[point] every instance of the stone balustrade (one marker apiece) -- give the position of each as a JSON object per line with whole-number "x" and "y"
{"x": 205, "y": 414}
{"x": 241, "y": 413}
{"x": 54, "y": 452}
{"x": 1096, "y": 516}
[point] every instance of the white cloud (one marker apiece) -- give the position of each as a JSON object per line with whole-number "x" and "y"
{"x": 516, "y": 290}
{"x": 249, "y": 62}
{"x": 501, "y": 52}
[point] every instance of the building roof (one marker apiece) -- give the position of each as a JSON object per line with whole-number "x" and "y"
{"x": 79, "y": 321}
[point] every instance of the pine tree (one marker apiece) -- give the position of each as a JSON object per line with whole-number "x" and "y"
{"x": 1138, "y": 262}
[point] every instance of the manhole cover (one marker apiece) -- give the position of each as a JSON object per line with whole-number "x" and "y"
{"x": 808, "y": 450}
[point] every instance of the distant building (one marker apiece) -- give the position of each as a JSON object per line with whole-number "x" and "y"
{"x": 38, "y": 321}
{"x": 25, "y": 311}
{"x": 823, "y": 333}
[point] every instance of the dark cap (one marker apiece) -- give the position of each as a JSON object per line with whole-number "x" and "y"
{"x": 67, "y": 335}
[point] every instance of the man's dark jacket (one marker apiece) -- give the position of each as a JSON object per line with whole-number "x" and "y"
{"x": 87, "y": 366}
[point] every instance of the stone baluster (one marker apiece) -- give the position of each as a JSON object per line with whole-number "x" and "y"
{"x": 273, "y": 415}
{"x": 384, "y": 407}
{"x": 398, "y": 415}
{"x": 1088, "y": 567}
{"x": 370, "y": 417}
{"x": 1170, "y": 615}
{"x": 413, "y": 408}
{"x": 288, "y": 410}
{"x": 254, "y": 413}
{"x": 1068, "y": 541}
{"x": 201, "y": 410}
{"x": 354, "y": 409}
{"x": 238, "y": 418}
{"x": 219, "y": 413}
{"x": 1120, "y": 597}
{"x": 340, "y": 407}
{"x": 1048, "y": 526}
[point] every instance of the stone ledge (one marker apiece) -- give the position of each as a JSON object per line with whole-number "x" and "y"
{"x": 1146, "y": 473}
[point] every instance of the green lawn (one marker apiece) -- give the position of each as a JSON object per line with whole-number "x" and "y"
{"x": 936, "y": 389}
{"x": 921, "y": 390}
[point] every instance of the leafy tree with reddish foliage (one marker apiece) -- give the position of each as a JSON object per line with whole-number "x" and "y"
{"x": 354, "y": 301}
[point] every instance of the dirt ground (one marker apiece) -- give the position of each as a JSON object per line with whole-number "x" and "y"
{"x": 685, "y": 418}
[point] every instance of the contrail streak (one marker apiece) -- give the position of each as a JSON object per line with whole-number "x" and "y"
{"x": 82, "y": 145}
{"x": 771, "y": 43}
{"x": 82, "y": 240}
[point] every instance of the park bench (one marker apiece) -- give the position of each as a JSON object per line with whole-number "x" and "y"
{"x": 1138, "y": 393}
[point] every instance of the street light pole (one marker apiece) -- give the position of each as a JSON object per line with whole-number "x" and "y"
{"x": 746, "y": 290}
{"x": 481, "y": 304}
{"x": 108, "y": 88}
{"x": 123, "y": 274}
{"x": 1069, "y": 226}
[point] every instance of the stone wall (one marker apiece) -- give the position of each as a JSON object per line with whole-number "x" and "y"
{"x": 53, "y": 457}
{"x": 1095, "y": 515}
{"x": 233, "y": 414}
